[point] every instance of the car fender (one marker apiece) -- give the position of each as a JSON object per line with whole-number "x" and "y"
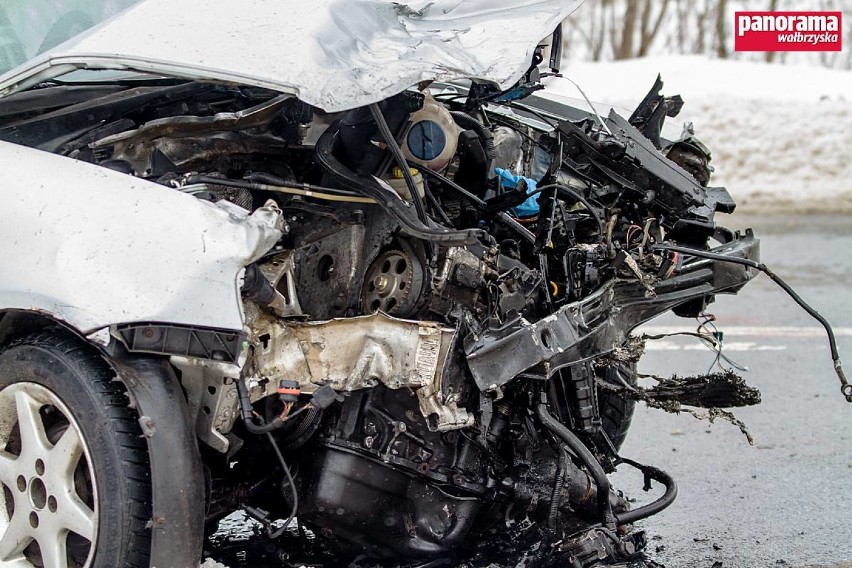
{"x": 93, "y": 247}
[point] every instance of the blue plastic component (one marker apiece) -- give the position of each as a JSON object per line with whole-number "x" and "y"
{"x": 426, "y": 140}
{"x": 528, "y": 208}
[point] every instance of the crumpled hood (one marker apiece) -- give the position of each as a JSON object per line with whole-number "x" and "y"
{"x": 334, "y": 54}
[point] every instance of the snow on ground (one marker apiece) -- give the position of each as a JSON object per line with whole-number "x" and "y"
{"x": 781, "y": 136}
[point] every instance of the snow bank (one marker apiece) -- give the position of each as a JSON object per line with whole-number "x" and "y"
{"x": 781, "y": 136}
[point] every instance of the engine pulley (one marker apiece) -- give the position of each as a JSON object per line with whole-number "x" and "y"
{"x": 393, "y": 283}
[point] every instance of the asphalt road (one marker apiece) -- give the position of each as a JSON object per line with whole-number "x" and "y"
{"x": 786, "y": 501}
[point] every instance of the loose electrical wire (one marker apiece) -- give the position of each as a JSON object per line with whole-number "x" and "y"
{"x": 717, "y": 344}
{"x": 565, "y": 190}
{"x": 251, "y": 426}
{"x": 436, "y": 207}
{"x": 845, "y": 387}
{"x": 453, "y": 185}
{"x": 396, "y": 152}
{"x": 525, "y": 108}
{"x": 503, "y": 217}
{"x": 291, "y": 481}
{"x": 290, "y": 415}
{"x": 630, "y": 230}
{"x": 594, "y": 110}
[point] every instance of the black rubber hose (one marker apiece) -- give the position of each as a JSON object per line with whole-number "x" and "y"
{"x": 565, "y": 191}
{"x": 469, "y": 123}
{"x": 263, "y": 177}
{"x": 454, "y": 186}
{"x": 293, "y": 440}
{"x": 579, "y": 449}
{"x": 558, "y": 485}
{"x": 248, "y": 416}
{"x": 411, "y": 225}
{"x": 396, "y": 152}
{"x": 845, "y": 387}
{"x": 253, "y": 185}
{"x": 604, "y": 487}
{"x": 656, "y": 506}
{"x": 503, "y": 217}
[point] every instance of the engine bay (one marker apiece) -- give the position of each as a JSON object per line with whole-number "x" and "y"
{"x": 428, "y": 344}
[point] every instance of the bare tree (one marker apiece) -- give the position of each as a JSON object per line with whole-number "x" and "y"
{"x": 591, "y": 28}
{"x": 648, "y": 32}
{"x": 700, "y": 17}
{"x": 621, "y": 37}
{"x": 621, "y": 29}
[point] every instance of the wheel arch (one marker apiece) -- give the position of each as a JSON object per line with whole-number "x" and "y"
{"x": 16, "y": 323}
{"x": 177, "y": 521}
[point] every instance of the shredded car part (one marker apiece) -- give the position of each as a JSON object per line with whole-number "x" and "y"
{"x": 714, "y": 392}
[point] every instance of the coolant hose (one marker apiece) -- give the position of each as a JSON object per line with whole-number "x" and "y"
{"x": 655, "y": 506}
{"x": 396, "y": 152}
{"x": 604, "y": 487}
{"x": 469, "y": 123}
{"x": 579, "y": 449}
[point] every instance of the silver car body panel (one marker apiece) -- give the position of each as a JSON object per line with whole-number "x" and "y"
{"x": 93, "y": 247}
{"x": 334, "y": 54}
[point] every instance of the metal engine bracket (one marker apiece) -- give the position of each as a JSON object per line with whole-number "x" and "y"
{"x": 361, "y": 352}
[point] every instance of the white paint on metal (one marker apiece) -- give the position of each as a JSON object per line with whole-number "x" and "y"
{"x": 335, "y": 54}
{"x": 94, "y": 247}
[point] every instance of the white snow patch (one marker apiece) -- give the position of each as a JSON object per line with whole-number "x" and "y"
{"x": 781, "y": 136}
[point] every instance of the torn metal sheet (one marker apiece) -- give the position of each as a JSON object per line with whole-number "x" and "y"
{"x": 361, "y": 352}
{"x": 211, "y": 398}
{"x": 600, "y": 322}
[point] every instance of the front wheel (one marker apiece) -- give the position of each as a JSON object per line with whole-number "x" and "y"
{"x": 74, "y": 467}
{"x": 616, "y": 409}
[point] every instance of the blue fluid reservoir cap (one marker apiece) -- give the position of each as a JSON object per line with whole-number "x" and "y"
{"x": 426, "y": 140}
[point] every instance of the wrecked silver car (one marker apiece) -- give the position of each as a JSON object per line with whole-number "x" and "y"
{"x": 343, "y": 266}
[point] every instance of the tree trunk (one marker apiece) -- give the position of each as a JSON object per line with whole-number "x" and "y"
{"x": 722, "y": 29}
{"x": 624, "y": 49}
{"x": 649, "y": 32}
{"x": 770, "y": 55}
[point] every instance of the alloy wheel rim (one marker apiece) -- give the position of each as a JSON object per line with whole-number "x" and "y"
{"x": 48, "y": 500}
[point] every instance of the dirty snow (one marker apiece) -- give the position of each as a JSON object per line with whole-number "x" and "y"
{"x": 781, "y": 136}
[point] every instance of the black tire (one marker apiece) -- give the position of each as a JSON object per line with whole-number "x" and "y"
{"x": 116, "y": 453}
{"x": 615, "y": 409}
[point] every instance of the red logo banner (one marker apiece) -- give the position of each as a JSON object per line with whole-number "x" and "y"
{"x": 788, "y": 31}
